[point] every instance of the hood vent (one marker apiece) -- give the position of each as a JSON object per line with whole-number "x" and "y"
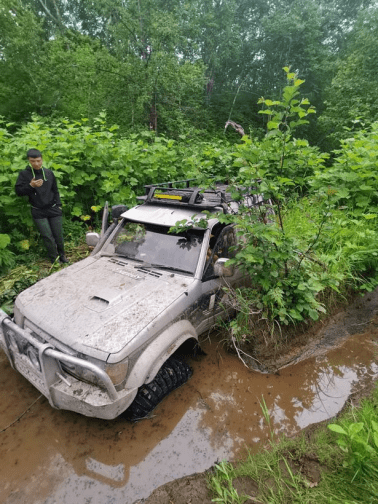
{"x": 147, "y": 271}
{"x": 140, "y": 269}
{"x": 100, "y": 302}
{"x": 104, "y": 300}
{"x": 118, "y": 262}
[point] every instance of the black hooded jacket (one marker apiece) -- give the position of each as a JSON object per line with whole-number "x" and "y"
{"x": 43, "y": 197}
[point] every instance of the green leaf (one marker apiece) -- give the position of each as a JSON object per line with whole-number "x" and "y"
{"x": 343, "y": 193}
{"x": 4, "y": 241}
{"x": 77, "y": 211}
{"x": 355, "y": 428}
{"x": 273, "y": 125}
{"x": 294, "y": 124}
{"x": 375, "y": 437}
{"x": 313, "y": 314}
{"x": 302, "y": 287}
{"x": 337, "y": 428}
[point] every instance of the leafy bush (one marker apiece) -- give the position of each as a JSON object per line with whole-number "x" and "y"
{"x": 352, "y": 180}
{"x": 293, "y": 247}
{"x": 6, "y": 256}
{"x": 14, "y": 282}
{"x": 94, "y": 165}
{"x": 280, "y": 263}
{"x": 357, "y": 437}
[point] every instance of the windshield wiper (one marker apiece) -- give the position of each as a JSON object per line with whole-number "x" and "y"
{"x": 161, "y": 266}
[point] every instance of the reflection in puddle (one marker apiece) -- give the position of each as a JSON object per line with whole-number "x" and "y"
{"x": 60, "y": 457}
{"x": 330, "y": 393}
{"x": 115, "y": 473}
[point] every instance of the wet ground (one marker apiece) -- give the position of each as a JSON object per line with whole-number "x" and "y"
{"x": 51, "y": 456}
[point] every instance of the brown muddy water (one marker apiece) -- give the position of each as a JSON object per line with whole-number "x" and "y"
{"x": 58, "y": 457}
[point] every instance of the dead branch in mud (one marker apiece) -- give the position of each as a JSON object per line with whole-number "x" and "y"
{"x": 239, "y": 352}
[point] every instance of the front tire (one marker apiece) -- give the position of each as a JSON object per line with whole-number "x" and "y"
{"x": 173, "y": 373}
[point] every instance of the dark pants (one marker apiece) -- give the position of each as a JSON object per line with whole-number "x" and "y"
{"x": 50, "y": 226}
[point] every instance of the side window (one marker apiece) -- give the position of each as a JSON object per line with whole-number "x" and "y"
{"x": 224, "y": 247}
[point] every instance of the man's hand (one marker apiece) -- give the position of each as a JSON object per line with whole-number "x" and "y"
{"x": 36, "y": 183}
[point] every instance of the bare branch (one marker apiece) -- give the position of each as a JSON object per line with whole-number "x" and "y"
{"x": 239, "y": 352}
{"x": 47, "y": 10}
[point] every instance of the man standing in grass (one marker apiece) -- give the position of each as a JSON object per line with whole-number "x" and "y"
{"x": 39, "y": 184}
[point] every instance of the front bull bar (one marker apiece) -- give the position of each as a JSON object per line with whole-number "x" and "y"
{"x": 46, "y": 370}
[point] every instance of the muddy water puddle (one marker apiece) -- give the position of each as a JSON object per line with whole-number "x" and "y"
{"x": 52, "y": 456}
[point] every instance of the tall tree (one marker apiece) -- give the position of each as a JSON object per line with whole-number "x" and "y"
{"x": 352, "y": 98}
{"x": 21, "y": 51}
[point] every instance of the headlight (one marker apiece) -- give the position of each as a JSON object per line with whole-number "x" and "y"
{"x": 117, "y": 372}
{"x": 85, "y": 375}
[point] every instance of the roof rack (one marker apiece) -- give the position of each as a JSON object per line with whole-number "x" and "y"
{"x": 180, "y": 193}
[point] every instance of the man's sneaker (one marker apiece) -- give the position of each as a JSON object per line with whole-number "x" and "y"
{"x": 63, "y": 260}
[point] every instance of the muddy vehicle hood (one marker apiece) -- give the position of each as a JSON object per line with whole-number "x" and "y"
{"x": 99, "y": 304}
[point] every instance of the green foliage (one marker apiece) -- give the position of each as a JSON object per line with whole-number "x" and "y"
{"x": 182, "y": 66}
{"x": 360, "y": 441}
{"x": 6, "y": 256}
{"x": 347, "y": 475}
{"x": 298, "y": 249}
{"x": 286, "y": 285}
{"x": 352, "y": 179}
{"x": 351, "y": 102}
{"x": 357, "y": 437}
{"x": 95, "y": 164}
{"x": 350, "y": 188}
{"x": 13, "y": 283}
{"x": 138, "y": 79}
{"x": 21, "y": 34}
{"x": 185, "y": 225}
{"x": 221, "y": 484}
{"x": 345, "y": 249}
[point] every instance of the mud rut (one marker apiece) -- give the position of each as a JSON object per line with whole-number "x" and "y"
{"x": 51, "y": 456}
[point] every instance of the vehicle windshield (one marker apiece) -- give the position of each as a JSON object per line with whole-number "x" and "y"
{"x": 154, "y": 246}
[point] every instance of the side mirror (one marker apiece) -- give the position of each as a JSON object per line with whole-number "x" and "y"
{"x": 220, "y": 268}
{"x": 92, "y": 239}
{"x": 118, "y": 210}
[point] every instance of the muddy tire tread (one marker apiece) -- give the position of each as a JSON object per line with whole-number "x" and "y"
{"x": 174, "y": 373}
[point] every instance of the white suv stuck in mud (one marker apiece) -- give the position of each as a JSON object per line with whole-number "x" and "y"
{"x": 105, "y": 334}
